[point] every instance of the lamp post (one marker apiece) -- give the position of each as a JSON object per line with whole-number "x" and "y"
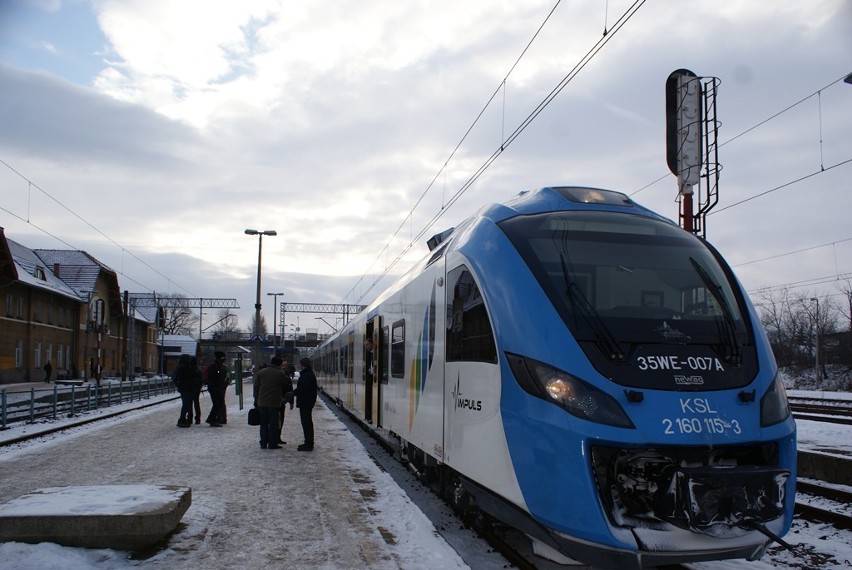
{"x": 259, "y": 235}
{"x": 275, "y": 322}
{"x": 816, "y": 338}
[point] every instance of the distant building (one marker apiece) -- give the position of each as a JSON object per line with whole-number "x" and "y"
{"x": 173, "y": 346}
{"x": 65, "y": 307}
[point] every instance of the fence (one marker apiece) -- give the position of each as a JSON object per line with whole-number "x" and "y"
{"x": 70, "y": 400}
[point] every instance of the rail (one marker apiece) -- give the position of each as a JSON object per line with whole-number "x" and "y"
{"x": 822, "y": 410}
{"x": 72, "y": 399}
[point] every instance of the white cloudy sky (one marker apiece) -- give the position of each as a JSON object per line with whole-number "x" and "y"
{"x": 151, "y": 133}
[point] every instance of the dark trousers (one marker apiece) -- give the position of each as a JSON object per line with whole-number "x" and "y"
{"x": 186, "y": 399}
{"x": 218, "y": 410}
{"x": 268, "y": 426}
{"x": 196, "y": 402}
{"x": 307, "y": 424}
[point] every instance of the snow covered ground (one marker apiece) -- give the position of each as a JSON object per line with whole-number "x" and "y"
{"x": 234, "y": 482}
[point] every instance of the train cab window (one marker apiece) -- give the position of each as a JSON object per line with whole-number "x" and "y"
{"x": 469, "y": 333}
{"x": 398, "y": 349}
{"x": 628, "y": 273}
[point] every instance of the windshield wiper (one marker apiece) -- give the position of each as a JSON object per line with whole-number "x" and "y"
{"x": 727, "y": 329}
{"x": 581, "y": 305}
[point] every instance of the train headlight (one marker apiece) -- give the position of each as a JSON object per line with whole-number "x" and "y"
{"x": 577, "y": 397}
{"x": 774, "y": 407}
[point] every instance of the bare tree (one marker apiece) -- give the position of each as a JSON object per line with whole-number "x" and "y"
{"x": 228, "y": 321}
{"x": 781, "y": 325}
{"x": 228, "y": 324}
{"x": 178, "y": 317}
{"x": 845, "y": 287}
{"x": 258, "y": 326}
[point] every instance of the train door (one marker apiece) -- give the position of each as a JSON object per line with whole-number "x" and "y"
{"x": 381, "y": 359}
{"x": 369, "y": 358}
{"x": 346, "y": 372}
{"x": 473, "y": 436}
{"x": 372, "y": 387}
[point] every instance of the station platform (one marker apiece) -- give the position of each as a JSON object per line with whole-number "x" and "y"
{"x": 332, "y": 508}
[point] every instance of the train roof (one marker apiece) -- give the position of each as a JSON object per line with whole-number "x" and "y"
{"x": 555, "y": 198}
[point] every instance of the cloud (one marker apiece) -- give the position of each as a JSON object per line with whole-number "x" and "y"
{"x": 328, "y": 123}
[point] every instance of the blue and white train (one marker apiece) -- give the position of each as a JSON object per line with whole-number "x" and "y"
{"x": 585, "y": 371}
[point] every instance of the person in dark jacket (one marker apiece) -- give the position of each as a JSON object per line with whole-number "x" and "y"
{"x": 48, "y": 370}
{"x": 184, "y": 380}
{"x": 217, "y": 384}
{"x": 306, "y": 397}
{"x": 268, "y": 391}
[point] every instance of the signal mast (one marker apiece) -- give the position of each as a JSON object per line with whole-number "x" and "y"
{"x": 692, "y": 151}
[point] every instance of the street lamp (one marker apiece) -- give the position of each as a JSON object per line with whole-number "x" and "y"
{"x": 816, "y": 338}
{"x": 275, "y": 322}
{"x": 259, "y": 235}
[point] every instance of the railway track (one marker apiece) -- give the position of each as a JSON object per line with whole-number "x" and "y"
{"x": 822, "y": 410}
{"x": 832, "y": 504}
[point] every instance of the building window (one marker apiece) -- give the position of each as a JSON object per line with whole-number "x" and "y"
{"x": 48, "y": 355}
{"x": 19, "y": 354}
{"x": 37, "y": 354}
{"x": 398, "y": 349}
{"x": 20, "y": 314}
{"x": 38, "y": 273}
{"x": 10, "y": 304}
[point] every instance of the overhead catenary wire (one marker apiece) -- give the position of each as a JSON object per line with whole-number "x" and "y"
{"x": 29, "y": 222}
{"x": 443, "y": 169}
{"x": 537, "y": 110}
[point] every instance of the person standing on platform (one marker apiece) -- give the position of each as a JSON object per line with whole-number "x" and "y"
{"x": 288, "y": 387}
{"x": 197, "y": 386}
{"x": 217, "y": 384}
{"x": 184, "y": 378}
{"x": 268, "y": 391}
{"x": 306, "y": 397}
{"x": 48, "y": 370}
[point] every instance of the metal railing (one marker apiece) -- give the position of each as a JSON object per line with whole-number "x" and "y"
{"x": 71, "y": 399}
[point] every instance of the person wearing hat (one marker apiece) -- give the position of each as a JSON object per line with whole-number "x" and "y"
{"x": 217, "y": 384}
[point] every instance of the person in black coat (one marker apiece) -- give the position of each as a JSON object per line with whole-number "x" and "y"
{"x": 217, "y": 384}
{"x": 306, "y": 397}
{"x": 184, "y": 379}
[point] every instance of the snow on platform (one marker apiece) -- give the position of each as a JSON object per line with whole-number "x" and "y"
{"x": 96, "y": 516}
{"x": 332, "y": 508}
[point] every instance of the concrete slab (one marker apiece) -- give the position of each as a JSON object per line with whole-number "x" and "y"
{"x": 124, "y": 517}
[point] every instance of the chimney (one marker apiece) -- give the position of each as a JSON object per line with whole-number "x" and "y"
{"x": 56, "y": 269}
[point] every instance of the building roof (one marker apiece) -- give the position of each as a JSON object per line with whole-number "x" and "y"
{"x": 81, "y": 271}
{"x": 145, "y": 311}
{"x": 32, "y": 270}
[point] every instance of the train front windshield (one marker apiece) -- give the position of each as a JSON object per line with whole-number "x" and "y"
{"x": 621, "y": 281}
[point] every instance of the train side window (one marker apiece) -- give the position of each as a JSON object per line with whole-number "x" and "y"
{"x": 344, "y": 358}
{"x": 383, "y": 368}
{"x": 469, "y": 333}
{"x": 398, "y": 349}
